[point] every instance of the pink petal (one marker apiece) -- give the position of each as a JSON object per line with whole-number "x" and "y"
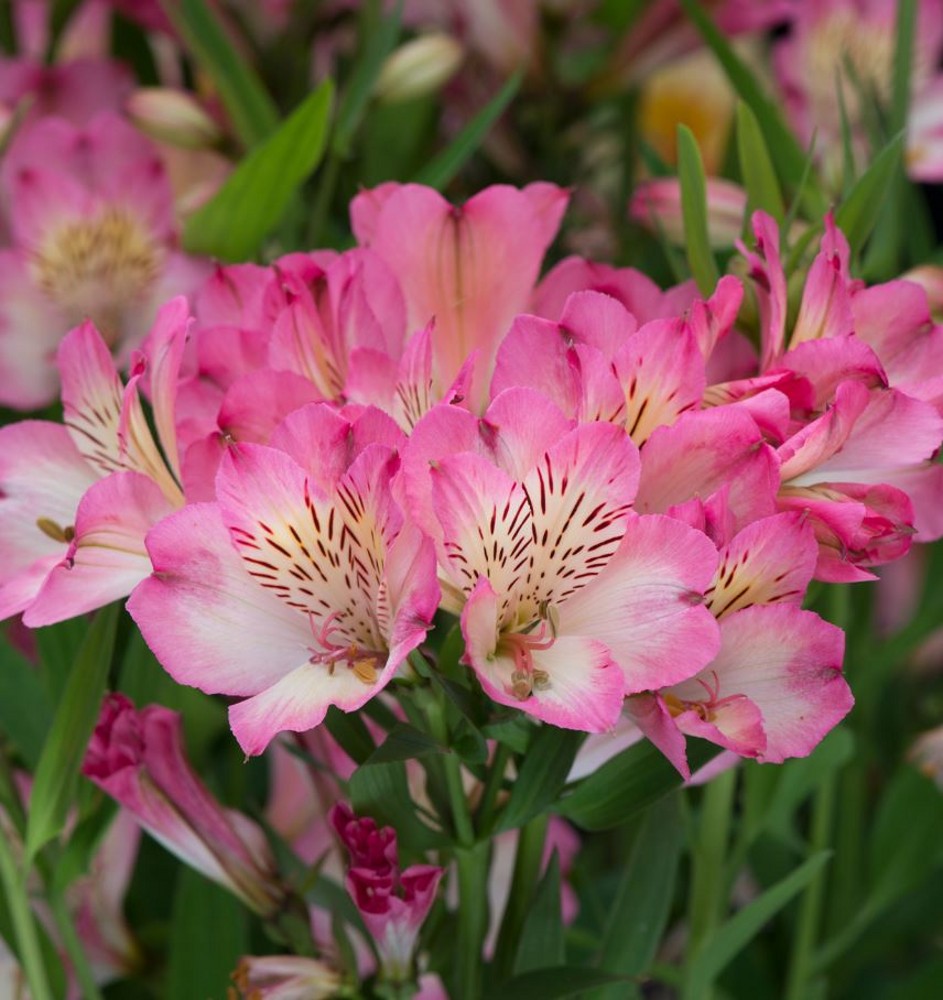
{"x": 107, "y": 558}
{"x": 635, "y": 290}
{"x": 209, "y": 623}
{"x": 646, "y": 606}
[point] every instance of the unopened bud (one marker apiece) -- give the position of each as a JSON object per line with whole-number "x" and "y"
{"x": 172, "y": 116}
{"x": 419, "y": 67}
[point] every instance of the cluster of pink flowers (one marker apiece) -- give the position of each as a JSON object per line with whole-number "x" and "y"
{"x": 619, "y": 496}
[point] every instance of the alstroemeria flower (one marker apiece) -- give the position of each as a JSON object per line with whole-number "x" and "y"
{"x": 138, "y": 758}
{"x": 775, "y": 687}
{"x": 393, "y": 902}
{"x": 568, "y": 600}
{"x": 471, "y": 268}
{"x": 302, "y": 586}
{"x": 285, "y": 977}
{"x": 94, "y": 236}
{"x": 79, "y": 498}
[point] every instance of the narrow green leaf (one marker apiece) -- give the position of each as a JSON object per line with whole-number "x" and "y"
{"x": 903, "y": 64}
{"x": 542, "y": 776}
{"x": 858, "y": 213}
{"x": 252, "y": 110}
{"x": 405, "y": 742}
{"x": 694, "y": 212}
{"x": 643, "y": 900}
{"x": 58, "y": 769}
{"x": 628, "y": 783}
{"x": 208, "y": 935}
{"x": 256, "y": 194}
{"x": 744, "y": 925}
{"x": 782, "y": 144}
{"x": 25, "y": 708}
{"x": 57, "y": 646}
{"x": 379, "y": 39}
{"x": 553, "y": 983}
{"x": 756, "y": 166}
{"x": 381, "y": 791}
{"x": 447, "y": 164}
{"x": 542, "y": 941}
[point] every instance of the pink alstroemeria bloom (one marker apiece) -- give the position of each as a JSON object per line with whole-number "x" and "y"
{"x": 393, "y": 902}
{"x": 79, "y": 498}
{"x": 568, "y": 600}
{"x": 94, "y": 237}
{"x": 850, "y": 44}
{"x": 138, "y": 758}
{"x": 656, "y": 204}
{"x": 471, "y": 268}
{"x": 775, "y": 688}
{"x": 302, "y": 587}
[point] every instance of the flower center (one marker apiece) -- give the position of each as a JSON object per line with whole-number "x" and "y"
{"x": 363, "y": 662}
{"x": 526, "y": 678}
{"x": 98, "y": 268}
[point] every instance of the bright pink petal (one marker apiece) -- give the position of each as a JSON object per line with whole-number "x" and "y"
{"x": 649, "y": 713}
{"x": 646, "y": 606}
{"x": 769, "y": 280}
{"x": 635, "y": 290}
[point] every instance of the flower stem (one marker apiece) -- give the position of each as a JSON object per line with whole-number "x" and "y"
{"x": 709, "y": 883}
{"x": 73, "y": 946}
{"x": 472, "y": 865}
{"x": 801, "y": 964}
{"x": 27, "y": 939}
{"x": 493, "y": 782}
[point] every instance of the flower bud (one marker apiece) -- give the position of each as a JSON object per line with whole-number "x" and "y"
{"x": 138, "y": 758}
{"x": 172, "y": 116}
{"x": 285, "y": 977}
{"x": 656, "y": 204}
{"x": 419, "y": 67}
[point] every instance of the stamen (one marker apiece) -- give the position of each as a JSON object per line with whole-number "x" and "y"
{"x": 54, "y": 531}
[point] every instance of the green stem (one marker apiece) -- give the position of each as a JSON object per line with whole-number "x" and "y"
{"x": 709, "y": 883}
{"x": 472, "y": 865}
{"x": 27, "y": 939}
{"x": 530, "y": 849}
{"x": 73, "y": 946}
{"x": 458, "y": 801}
{"x": 801, "y": 965}
{"x": 493, "y": 783}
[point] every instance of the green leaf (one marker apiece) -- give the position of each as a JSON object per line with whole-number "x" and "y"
{"x": 542, "y": 942}
{"x": 859, "y": 211}
{"x": 25, "y": 708}
{"x": 903, "y": 63}
{"x": 553, "y": 983}
{"x": 208, "y": 936}
{"x": 256, "y": 194}
{"x": 643, "y": 900}
{"x": 405, "y": 742}
{"x": 57, "y": 646}
{"x": 905, "y": 844}
{"x": 694, "y": 212}
{"x": 249, "y": 106}
{"x": 756, "y": 166}
{"x": 381, "y": 791}
{"x": 351, "y": 733}
{"x": 542, "y": 776}
{"x": 58, "y": 770}
{"x": 741, "y": 928}
{"x": 628, "y": 783}
{"x": 379, "y": 39}
{"x": 782, "y": 144}
{"x": 447, "y": 164}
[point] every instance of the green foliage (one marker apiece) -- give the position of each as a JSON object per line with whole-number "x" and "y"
{"x": 694, "y": 211}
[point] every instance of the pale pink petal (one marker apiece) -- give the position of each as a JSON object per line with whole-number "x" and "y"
{"x": 635, "y": 290}
{"x": 825, "y": 310}
{"x": 256, "y": 403}
{"x": 582, "y": 690}
{"x": 107, "y": 558}
{"x": 209, "y": 623}
{"x": 598, "y": 320}
{"x": 788, "y": 663}
{"x": 535, "y": 354}
{"x": 646, "y": 606}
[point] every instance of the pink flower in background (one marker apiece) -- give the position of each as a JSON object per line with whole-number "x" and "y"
{"x": 302, "y": 587}
{"x": 138, "y": 758}
{"x": 94, "y": 237}
{"x": 285, "y": 977}
{"x": 393, "y": 902}
{"x": 850, "y": 44}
